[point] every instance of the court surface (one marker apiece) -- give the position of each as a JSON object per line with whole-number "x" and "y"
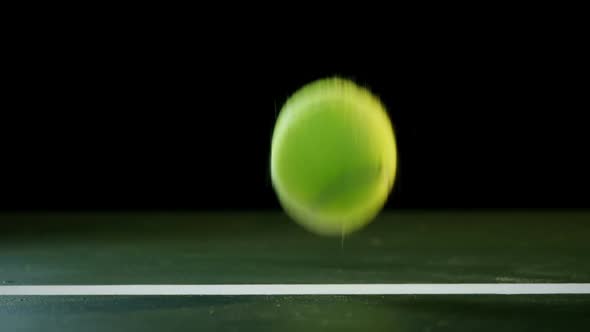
{"x": 266, "y": 248}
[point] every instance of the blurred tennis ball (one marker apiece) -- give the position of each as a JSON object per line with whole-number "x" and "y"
{"x": 333, "y": 156}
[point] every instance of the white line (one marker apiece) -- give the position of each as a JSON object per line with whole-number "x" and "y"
{"x": 299, "y": 289}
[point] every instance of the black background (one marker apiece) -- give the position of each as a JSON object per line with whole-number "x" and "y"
{"x": 484, "y": 119}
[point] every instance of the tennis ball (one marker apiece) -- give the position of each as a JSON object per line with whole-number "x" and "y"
{"x": 333, "y": 156}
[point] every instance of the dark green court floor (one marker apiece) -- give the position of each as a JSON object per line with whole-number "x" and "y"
{"x": 268, "y": 248}
{"x": 298, "y": 313}
{"x": 245, "y": 248}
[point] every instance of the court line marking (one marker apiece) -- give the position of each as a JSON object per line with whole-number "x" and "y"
{"x": 301, "y": 289}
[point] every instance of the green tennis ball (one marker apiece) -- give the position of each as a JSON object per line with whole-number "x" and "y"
{"x": 333, "y": 156}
